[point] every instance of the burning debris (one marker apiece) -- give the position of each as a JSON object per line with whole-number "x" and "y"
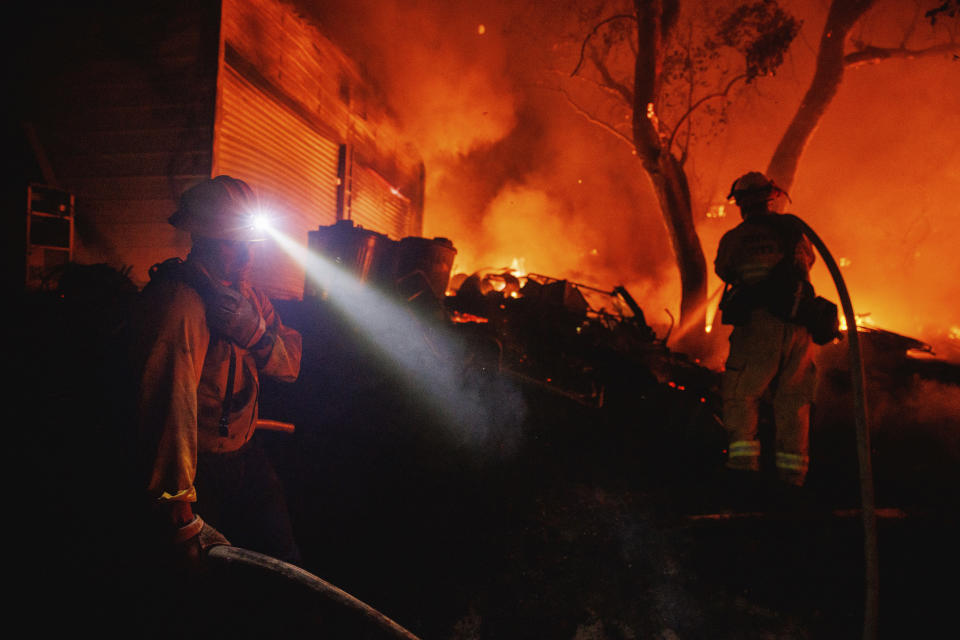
{"x": 560, "y": 335}
{"x": 567, "y": 338}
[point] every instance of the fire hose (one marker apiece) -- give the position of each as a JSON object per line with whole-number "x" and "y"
{"x": 868, "y": 506}
{"x": 230, "y": 555}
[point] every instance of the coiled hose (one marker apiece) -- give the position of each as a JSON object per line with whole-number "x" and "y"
{"x": 868, "y": 506}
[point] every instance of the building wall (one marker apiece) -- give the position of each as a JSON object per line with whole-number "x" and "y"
{"x": 296, "y": 119}
{"x": 122, "y": 104}
{"x": 130, "y": 105}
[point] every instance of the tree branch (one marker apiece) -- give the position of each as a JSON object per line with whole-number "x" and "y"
{"x": 841, "y": 17}
{"x": 593, "y": 32}
{"x": 589, "y": 117}
{"x": 618, "y": 87}
{"x": 600, "y": 86}
{"x": 872, "y": 55}
{"x": 696, "y": 105}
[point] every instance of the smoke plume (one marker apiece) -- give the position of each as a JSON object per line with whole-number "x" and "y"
{"x": 514, "y": 173}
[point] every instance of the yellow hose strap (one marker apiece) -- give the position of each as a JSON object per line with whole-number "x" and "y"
{"x": 185, "y": 495}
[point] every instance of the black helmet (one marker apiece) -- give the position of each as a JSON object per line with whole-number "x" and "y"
{"x": 754, "y": 185}
{"x": 223, "y": 208}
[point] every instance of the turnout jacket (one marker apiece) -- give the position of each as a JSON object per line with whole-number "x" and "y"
{"x": 766, "y": 260}
{"x": 750, "y": 252}
{"x": 184, "y": 370}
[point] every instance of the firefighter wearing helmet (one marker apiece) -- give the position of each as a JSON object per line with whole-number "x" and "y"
{"x": 765, "y": 262}
{"x": 203, "y": 337}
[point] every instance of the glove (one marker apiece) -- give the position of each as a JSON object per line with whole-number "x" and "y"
{"x": 233, "y": 315}
{"x": 201, "y": 533}
{"x": 192, "y": 540}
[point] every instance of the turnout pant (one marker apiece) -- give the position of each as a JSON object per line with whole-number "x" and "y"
{"x": 769, "y": 354}
{"x": 240, "y": 494}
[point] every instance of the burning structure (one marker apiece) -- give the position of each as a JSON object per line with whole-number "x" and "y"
{"x": 608, "y": 420}
{"x": 122, "y": 109}
{"x": 534, "y": 177}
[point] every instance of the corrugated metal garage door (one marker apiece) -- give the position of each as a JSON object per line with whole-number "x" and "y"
{"x": 291, "y": 166}
{"x": 376, "y": 205}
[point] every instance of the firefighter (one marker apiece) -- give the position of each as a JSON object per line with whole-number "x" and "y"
{"x": 202, "y": 338}
{"x": 765, "y": 262}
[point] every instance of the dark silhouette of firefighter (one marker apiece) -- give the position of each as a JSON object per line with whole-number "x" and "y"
{"x": 765, "y": 261}
{"x": 203, "y": 337}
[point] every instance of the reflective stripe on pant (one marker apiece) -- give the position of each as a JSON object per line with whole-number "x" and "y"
{"x": 792, "y": 467}
{"x": 744, "y": 454}
{"x": 763, "y": 353}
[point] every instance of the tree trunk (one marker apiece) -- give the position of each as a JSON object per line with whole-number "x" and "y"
{"x": 673, "y": 193}
{"x": 826, "y": 81}
{"x": 667, "y": 176}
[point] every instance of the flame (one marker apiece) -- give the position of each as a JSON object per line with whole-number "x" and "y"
{"x": 506, "y": 167}
{"x": 717, "y": 211}
{"x": 461, "y": 317}
{"x": 864, "y": 320}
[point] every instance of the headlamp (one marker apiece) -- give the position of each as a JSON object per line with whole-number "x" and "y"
{"x": 260, "y": 222}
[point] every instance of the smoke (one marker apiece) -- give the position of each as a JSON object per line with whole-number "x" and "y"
{"x": 923, "y": 416}
{"x": 446, "y": 372}
{"x": 515, "y": 173}
{"x": 441, "y": 68}
{"x": 936, "y": 402}
{"x": 883, "y": 195}
{"x": 512, "y": 172}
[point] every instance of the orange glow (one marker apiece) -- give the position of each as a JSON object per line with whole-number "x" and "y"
{"x": 863, "y": 320}
{"x": 512, "y": 170}
{"x": 717, "y": 211}
{"x": 459, "y": 317}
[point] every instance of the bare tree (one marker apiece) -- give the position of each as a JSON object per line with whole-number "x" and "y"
{"x": 658, "y": 81}
{"x": 664, "y": 74}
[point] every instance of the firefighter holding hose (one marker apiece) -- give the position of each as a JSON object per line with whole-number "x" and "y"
{"x": 765, "y": 262}
{"x": 202, "y": 339}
